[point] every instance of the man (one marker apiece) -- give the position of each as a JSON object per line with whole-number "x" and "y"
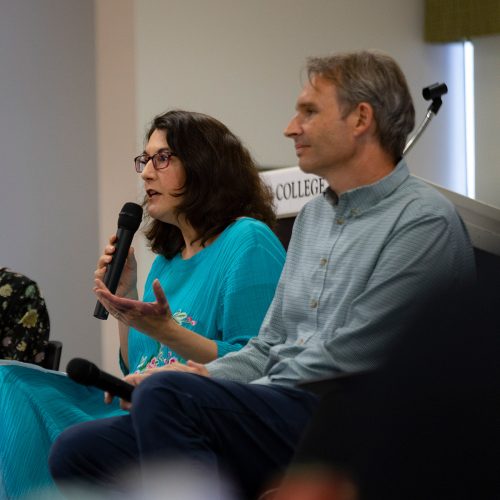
{"x": 362, "y": 257}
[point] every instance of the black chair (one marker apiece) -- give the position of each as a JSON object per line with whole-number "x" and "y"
{"x": 52, "y": 355}
{"x": 283, "y": 229}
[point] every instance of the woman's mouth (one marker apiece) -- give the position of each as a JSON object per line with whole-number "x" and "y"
{"x": 151, "y": 193}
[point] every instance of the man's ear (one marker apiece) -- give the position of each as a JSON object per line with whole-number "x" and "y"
{"x": 364, "y": 119}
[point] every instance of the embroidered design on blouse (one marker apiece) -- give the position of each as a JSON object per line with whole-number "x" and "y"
{"x": 165, "y": 356}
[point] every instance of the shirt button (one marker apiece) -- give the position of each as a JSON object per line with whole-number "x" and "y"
{"x": 313, "y": 304}
{"x": 322, "y": 262}
{"x": 340, "y": 221}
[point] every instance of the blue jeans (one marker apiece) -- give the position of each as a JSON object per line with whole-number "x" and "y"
{"x": 246, "y": 431}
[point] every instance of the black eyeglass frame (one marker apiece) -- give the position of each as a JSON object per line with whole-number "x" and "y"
{"x": 141, "y": 161}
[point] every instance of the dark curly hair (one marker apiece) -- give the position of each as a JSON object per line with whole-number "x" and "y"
{"x": 222, "y": 181}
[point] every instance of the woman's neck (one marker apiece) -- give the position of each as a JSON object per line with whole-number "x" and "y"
{"x": 192, "y": 245}
{"x": 192, "y": 242}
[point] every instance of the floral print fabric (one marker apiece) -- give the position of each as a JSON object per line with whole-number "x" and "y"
{"x": 24, "y": 320}
{"x": 165, "y": 356}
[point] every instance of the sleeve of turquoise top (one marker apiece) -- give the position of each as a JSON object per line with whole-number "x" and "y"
{"x": 418, "y": 260}
{"x": 249, "y": 363}
{"x": 249, "y": 286}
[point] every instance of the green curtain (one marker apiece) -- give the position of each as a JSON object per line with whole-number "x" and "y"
{"x": 452, "y": 20}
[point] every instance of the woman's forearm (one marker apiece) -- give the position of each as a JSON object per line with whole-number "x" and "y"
{"x": 189, "y": 344}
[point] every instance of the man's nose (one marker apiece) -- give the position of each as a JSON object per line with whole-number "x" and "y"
{"x": 292, "y": 128}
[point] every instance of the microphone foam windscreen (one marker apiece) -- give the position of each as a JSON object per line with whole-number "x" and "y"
{"x": 82, "y": 371}
{"x": 130, "y": 216}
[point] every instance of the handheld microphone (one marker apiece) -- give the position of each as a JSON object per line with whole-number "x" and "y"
{"x": 129, "y": 221}
{"x": 86, "y": 373}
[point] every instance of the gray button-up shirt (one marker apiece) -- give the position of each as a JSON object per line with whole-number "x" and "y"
{"x": 357, "y": 268}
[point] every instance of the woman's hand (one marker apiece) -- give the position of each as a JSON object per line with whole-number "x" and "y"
{"x": 127, "y": 286}
{"x": 190, "y": 366}
{"x": 136, "y": 378}
{"x": 151, "y": 318}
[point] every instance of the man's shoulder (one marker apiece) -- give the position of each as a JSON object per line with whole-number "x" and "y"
{"x": 421, "y": 198}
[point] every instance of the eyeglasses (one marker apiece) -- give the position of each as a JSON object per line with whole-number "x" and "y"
{"x": 160, "y": 161}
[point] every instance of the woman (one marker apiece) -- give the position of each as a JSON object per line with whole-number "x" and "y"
{"x": 24, "y": 319}
{"x": 218, "y": 263}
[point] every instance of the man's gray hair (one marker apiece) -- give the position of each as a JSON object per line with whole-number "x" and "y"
{"x": 375, "y": 78}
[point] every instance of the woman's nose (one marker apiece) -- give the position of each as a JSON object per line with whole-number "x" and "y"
{"x": 148, "y": 171}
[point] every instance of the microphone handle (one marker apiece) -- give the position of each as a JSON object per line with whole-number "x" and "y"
{"x": 115, "y": 267}
{"x": 100, "y": 312}
{"x": 115, "y": 386}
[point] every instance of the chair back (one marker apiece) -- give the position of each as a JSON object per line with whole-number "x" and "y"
{"x": 52, "y": 355}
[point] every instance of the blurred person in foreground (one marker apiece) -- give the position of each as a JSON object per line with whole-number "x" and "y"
{"x": 208, "y": 290}
{"x": 425, "y": 425}
{"x": 363, "y": 258}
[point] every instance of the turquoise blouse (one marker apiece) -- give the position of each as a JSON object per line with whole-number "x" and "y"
{"x": 238, "y": 274}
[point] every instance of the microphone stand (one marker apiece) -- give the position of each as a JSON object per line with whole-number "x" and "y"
{"x": 433, "y": 92}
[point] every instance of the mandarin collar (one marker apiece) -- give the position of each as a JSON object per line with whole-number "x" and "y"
{"x": 360, "y": 199}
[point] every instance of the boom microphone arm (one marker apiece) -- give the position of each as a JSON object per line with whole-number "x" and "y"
{"x": 432, "y": 92}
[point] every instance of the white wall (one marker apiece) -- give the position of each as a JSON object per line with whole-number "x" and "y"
{"x": 487, "y": 98}
{"x": 241, "y": 61}
{"x": 117, "y": 133}
{"x": 48, "y": 183}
